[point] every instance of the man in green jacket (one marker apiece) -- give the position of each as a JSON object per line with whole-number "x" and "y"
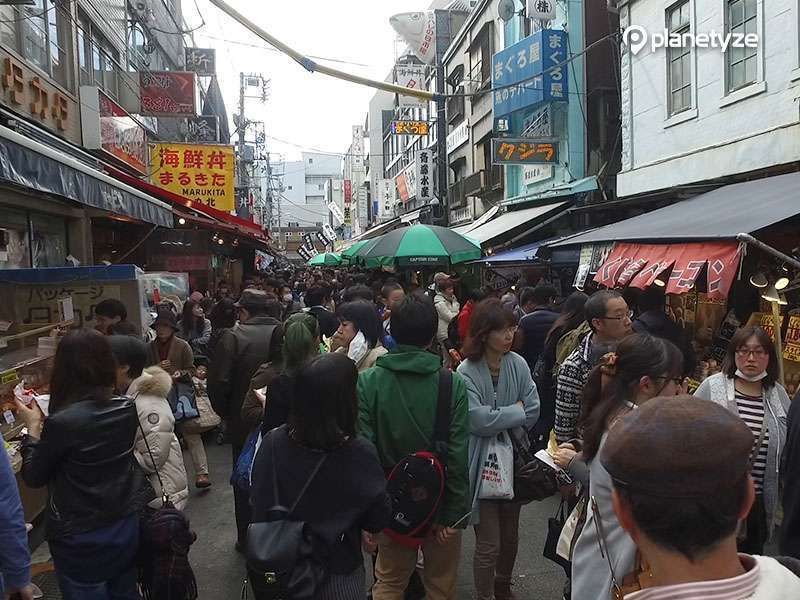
{"x": 397, "y": 410}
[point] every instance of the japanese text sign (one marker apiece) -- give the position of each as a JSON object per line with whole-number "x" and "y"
{"x": 530, "y": 72}
{"x": 791, "y": 344}
{"x": 424, "y": 176}
{"x": 411, "y": 77}
{"x": 202, "y": 61}
{"x": 543, "y": 10}
{"x": 203, "y": 173}
{"x": 348, "y": 191}
{"x": 203, "y": 129}
{"x": 410, "y": 127}
{"x": 523, "y": 151}
{"x": 168, "y": 93}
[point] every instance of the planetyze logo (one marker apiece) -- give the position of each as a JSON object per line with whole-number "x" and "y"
{"x": 637, "y": 37}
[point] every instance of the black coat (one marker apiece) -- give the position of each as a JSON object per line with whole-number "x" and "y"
{"x": 85, "y": 458}
{"x": 790, "y": 471}
{"x": 328, "y": 323}
{"x": 535, "y": 327}
{"x": 658, "y": 324}
{"x": 237, "y": 356}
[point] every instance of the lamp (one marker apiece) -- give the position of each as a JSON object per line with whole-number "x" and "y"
{"x": 782, "y": 300}
{"x": 181, "y": 221}
{"x": 771, "y": 294}
{"x": 782, "y": 283}
{"x": 220, "y": 241}
{"x": 759, "y": 280}
{"x": 660, "y": 283}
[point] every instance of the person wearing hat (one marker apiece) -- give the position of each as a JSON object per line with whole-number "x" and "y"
{"x": 681, "y": 474}
{"x": 168, "y": 351}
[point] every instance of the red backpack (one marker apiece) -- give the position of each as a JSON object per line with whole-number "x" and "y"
{"x": 416, "y": 484}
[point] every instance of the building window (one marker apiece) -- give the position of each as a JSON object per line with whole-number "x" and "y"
{"x": 742, "y": 62}
{"x": 97, "y": 58}
{"x": 679, "y": 60}
{"x": 49, "y": 247}
{"x": 290, "y": 188}
{"x": 311, "y": 161}
{"x": 15, "y": 250}
{"x": 42, "y": 34}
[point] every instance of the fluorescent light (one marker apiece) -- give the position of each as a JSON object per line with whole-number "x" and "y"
{"x": 759, "y": 280}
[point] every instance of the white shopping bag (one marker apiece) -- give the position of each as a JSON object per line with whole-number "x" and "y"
{"x": 497, "y": 470}
{"x": 571, "y": 525}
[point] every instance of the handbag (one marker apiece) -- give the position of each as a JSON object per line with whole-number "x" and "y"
{"x": 163, "y": 555}
{"x": 497, "y": 470}
{"x": 282, "y": 561}
{"x": 533, "y": 480}
{"x": 240, "y": 477}
{"x": 207, "y": 419}
{"x": 181, "y": 399}
{"x": 555, "y": 528}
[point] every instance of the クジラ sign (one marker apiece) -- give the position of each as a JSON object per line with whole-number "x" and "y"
{"x": 523, "y": 151}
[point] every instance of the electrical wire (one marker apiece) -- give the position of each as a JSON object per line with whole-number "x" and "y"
{"x": 313, "y": 212}
{"x": 26, "y": 17}
{"x": 180, "y": 31}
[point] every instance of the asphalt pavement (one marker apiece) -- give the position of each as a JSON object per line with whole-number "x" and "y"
{"x": 220, "y": 569}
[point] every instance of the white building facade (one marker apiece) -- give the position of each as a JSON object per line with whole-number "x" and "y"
{"x": 692, "y": 114}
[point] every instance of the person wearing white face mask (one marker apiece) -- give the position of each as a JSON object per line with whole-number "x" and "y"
{"x": 290, "y": 305}
{"x": 359, "y": 333}
{"x": 748, "y": 387}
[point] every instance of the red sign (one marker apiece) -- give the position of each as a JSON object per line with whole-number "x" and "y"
{"x": 181, "y": 264}
{"x": 402, "y": 187}
{"x": 348, "y": 190}
{"x": 639, "y": 265}
{"x": 168, "y": 93}
{"x": 121, "y": 136}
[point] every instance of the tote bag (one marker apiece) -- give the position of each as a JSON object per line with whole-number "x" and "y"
{"x": 497, "y": 470}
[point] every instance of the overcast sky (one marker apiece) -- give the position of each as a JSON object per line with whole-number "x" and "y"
{"x": 312, "y": 111}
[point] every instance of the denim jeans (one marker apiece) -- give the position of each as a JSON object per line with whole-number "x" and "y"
{"x": 122, "y": 587}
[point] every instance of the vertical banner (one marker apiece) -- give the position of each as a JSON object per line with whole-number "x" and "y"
{"x": 348, "y": 199}
{"x": 358, "y": 147}
{"x": 424, "y": 176}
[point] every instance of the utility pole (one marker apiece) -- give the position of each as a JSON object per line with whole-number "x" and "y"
{"x": 246, "y": 160}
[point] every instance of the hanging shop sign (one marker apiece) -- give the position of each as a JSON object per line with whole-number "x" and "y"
{"x": 791, "y": 342}
{"x": 413, "y": 78}
{"x": 109, "y": 128}
{"x": 203, "y": 129}
{"x": 385, "y": 198}
{"x": 542, "y": 10}
{"x": 531, "y": 72}
{"x": 362, "y": 207}
{"x": 308, "y": 241}
{"x": 424, "y": 176}
{"x": 202, "y": 61}
{"x": 411, "y": 127}
{"x": 348, "y": 200}
{"x": 358, "y": 147}
{"x": 524, "y": 151}
{"x": 402, "y": 186}
{"x": 203, "y": 173}
{"x": 535, "y": 173}
{"x": 336, "y": 212}
{"x": 639, "y": 265}
{"x": 418, "y": 29}
{"x": 328, "y": 233}
{"x": 168, "y": 93}
{"x": 32, "y": 94}
{"x": 458, "y": 137}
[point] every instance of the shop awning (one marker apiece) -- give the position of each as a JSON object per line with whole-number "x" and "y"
{"x": 517, "y": 255}
{"x": 31, "y": 164}
{"x": 587, "y": 184}
{"x": 640, "y": 265}
{"x": 411, "y": 216}
{"x": 512, "y": 221}
{"x": 484, "y": 218}
{"x": 720, "y": 214}
{"x": 377, "y": 230}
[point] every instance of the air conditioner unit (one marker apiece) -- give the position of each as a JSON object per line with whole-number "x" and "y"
{"x": 142, "y": 10}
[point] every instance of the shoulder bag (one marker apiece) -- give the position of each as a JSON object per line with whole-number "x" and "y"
{"x": 282, "y": 561}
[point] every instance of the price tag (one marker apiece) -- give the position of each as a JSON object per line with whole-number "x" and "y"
{"x": 9, "y": 417}
{"x": 9, "y": 376}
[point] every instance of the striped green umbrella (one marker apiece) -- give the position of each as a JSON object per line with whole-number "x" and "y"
{"x": 420, "y": 245}
{"x": 325, "y": 259}
{"x": 349, "y": 255}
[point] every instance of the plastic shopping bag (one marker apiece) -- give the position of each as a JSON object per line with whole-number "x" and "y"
{"x": 497, "y": 470}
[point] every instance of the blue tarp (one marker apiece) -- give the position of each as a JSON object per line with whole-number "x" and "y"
{"x": 521, "y": 254}
{"x": 70, "y": 274}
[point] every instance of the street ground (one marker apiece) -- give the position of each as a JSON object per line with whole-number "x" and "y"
{"x": 220, "y": 569}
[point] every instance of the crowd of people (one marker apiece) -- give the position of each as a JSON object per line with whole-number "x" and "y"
{"x": 341, "y": 375}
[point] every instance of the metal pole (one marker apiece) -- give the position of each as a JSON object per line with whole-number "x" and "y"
{"x": 776, "y": 327}
{"x": 749, "y": 239}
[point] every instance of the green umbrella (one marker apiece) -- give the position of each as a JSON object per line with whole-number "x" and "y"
{"x": 420, "y": 245}
{"x": 349, "y": 255}
{"x": 326, "y": 259}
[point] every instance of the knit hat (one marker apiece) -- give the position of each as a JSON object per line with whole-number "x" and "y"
{"x": 678, "y": 447}
{"x": 165, "y": 317}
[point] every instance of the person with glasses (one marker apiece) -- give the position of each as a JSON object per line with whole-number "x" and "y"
{"x": 609, "y": 319}
{"x": 502, "y": 397}
{"x": 748, "y": 387}
{"x": 642, "y": 368}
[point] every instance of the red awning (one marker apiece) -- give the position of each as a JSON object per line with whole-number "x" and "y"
{"x": 639, "y": 265}
{"x": 243, "y": 225}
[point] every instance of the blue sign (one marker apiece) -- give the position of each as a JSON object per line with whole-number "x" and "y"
{"x": 531, "y": 72}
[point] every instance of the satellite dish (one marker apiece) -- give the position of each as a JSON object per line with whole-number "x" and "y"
{"x": 506, "y": 10}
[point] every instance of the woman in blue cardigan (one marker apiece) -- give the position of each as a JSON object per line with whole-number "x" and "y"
{"x": 502, "y": 396}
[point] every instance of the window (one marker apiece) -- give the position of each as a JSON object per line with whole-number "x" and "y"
{"x": 320, "y": 186}
{"x": 14, "y": 240}
{"x": 480, "y": 57}
{"x": 679, "y": 60}
{"x": 49, "y": 247}
{"x": 741, "y": 62}
{"x": 290, "y": 188}
{"x": 311, "y": 161}
{"x": 97, "y": 58}
{"x": 42, "y": 33}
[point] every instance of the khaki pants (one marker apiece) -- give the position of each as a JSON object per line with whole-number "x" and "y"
{"x": 198, "y": 453}
{"x": 396, "y": 563}
{"x": 496, "y": 541}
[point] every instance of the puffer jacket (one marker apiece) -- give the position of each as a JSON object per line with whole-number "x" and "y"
{"x": 447, "y": 310}
{"x": 150, "y": 392}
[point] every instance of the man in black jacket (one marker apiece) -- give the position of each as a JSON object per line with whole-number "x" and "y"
{"x": 255, "y": 340}
{"x": 653, "y": 319}
{"x": 790, "y": 469}
{"x": 318, "y": 300}
{"x": 539, "y": 318}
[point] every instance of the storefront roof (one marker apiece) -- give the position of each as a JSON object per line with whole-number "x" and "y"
{"x": 485, "y": 217}
{"x": 517, "y": 255}
{"x": 510, "y": 221}
{"x": 31, "y": 164}
{"x": 579, "y": 186}
{"x": 720, "y": 214}
{"x": 376, "y": 230}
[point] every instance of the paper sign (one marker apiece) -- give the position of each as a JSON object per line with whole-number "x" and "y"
{"x": 66, "y": 309}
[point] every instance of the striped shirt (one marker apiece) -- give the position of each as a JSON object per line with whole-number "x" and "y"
{"x": 751, "y": 411}
{"x": 572, "y": 375}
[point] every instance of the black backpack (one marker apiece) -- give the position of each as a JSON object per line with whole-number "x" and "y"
{"x": 416, "y": 484}
{"x": 452, "y": 332}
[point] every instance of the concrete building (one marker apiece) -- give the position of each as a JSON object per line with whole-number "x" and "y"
{"x": 354, "y": 176}
{"x": 379, "y": 117}
{"x": 702, "y": 116}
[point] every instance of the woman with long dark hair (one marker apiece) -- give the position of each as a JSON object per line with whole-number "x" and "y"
{"x": 359, "y": 334}
{"x": 223, "y": 317}
{"x": 748, "y": 387}
{"x": 642, "y": 368}
{"x": 194, "y": 327}
{"x": 502, "y": 397}
{"x": 83, "y": 453}
{"x": 346, "y": 491}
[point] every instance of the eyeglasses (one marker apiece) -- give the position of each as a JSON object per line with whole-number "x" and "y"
{"x": 746, "y": 352}
{"x": 627, "y": 316}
